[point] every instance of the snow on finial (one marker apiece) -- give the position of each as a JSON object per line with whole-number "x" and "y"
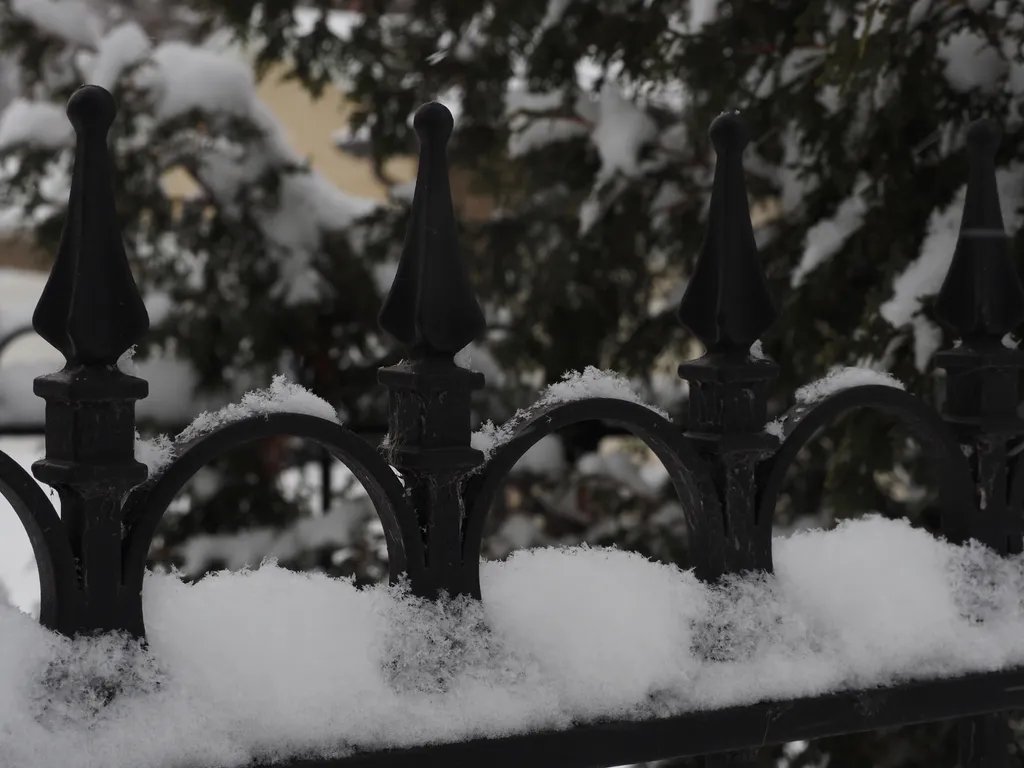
{"x": 91, "y": 309}
{"x": 727, "y": 304}
{"x": 431, "y": 305}
{"x": 982, "y": 296}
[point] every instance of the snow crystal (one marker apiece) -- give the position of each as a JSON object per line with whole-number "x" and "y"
{"x": 156, "y": 453}
{"x": 69, "y": 20}
{"x": 282, "y": 397}
{"x": 774, "y": 428}
{"x": 234, "y": 670}
{"x": 37, "y": 123}
{"x": 126, "y": 362}
{"x": 1010, "y": 341}
{"x": 119, "y": 49}
{"x": 827, "y": 237}
{"x": 844, "y": 378}
{"x": 757, "y": 350}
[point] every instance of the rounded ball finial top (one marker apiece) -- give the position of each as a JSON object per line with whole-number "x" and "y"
{"x": 433, "y": 122}
{"x": 728, "y": 133}
{"x": 91, "y": 107}
{"x": 983, "y": 137}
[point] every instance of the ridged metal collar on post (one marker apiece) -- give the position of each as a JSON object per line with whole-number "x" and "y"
{"x": 90, "y": 308}
{"x": 431, "y": 306}
{"x": 982, "y": 298}
{"x": 727, "y": 304}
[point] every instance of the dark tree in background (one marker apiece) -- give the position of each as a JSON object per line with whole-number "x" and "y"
{"x": 582, "y": 126}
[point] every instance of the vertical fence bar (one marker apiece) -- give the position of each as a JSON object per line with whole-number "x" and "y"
{"x": 727, "y": 305}
{"x": 431, "y": 308}
{"x": 92, "y": 312}
{"x": 982, "y": 300}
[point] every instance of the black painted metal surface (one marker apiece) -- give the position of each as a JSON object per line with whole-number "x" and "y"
{"x": 725, "y": 468}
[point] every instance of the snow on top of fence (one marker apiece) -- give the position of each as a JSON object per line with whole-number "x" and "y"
{"x": 282, "y": 396}
{"x": 574, "y": 385}
{"x": 268, "y": 663}
{"x": 155, "y": 452}
{"x": 844, "y": 378}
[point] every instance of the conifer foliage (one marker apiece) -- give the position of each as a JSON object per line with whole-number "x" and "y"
{"x": 583, "y": 124}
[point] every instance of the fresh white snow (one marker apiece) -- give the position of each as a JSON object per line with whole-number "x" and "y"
{"x": 68, "y": 20}
{"x": 267, "y": 663}
{"x": 844, "y": 378}
{"x": 155, "y": 452}
{"x": 923, "y": 277}
{"x": 826, "y": 237}
{"x": 574, "y": 385}
{"x": 37, "y": 123}
{"x": 282, "y": 396}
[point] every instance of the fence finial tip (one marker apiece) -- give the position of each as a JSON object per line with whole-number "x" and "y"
{"x": 727, "y": 304}
{"x": 431, "y": 306}
{"x": 729, "y": 133}
{"x": 433, "y": 122}
{"x": 982, "y": 297}
{"x": 91, "y": 309}
{"x": 91, "y": 107}
{"x": 983, "y": 138}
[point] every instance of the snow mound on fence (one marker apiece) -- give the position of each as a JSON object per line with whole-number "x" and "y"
{"x": 269, "y": 663}
{"x": 574, "y": 385}
{"x": 282, "y": 396}
{"x": 845, "y": 378}
{"x": 155, "y": 452}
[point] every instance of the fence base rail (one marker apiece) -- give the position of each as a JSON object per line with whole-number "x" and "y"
{"x": 599, "y": 745}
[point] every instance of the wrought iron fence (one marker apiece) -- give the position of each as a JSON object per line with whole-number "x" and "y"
{"x": 726, "y": 469}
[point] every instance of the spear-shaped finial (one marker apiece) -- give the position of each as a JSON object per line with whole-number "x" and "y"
{"x": 431, "y": 306}
{"x": 981, "y": 296}
{"x": 91, "y": 309}
{"x": 727, "y": 304}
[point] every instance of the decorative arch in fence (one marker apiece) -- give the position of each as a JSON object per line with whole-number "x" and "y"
{"x": 726, "y": 468}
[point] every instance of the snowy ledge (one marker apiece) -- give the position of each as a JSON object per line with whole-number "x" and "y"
{"x": 269, "y": 664}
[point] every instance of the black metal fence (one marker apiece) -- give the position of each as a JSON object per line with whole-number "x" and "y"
{"x": 726, "y": 469}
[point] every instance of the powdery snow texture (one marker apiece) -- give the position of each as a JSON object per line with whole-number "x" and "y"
{"x": 269, "y": 663}
{"x": 844, "y": 378}
{"x": 282, "y": 397}
{"x": 592, "y": 382}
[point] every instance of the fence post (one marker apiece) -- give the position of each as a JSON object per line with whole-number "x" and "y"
{"x": 92, "y": 312}
{"x": 431, "y": 309}
{"x": 982, "y": 300}
{"x": 727, "y": 306}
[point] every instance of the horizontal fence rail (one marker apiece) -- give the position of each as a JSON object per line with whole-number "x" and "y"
{"x": 724, "y": 466}
{"x": 715, "y": 731}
